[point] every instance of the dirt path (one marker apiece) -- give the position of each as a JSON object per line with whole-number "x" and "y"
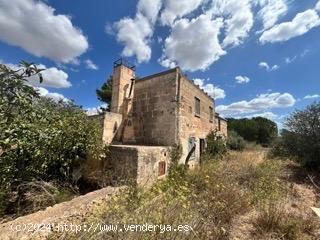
{"x": 38, "y": 225}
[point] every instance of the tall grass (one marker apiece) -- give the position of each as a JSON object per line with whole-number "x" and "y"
{"x": 207, "y": 199}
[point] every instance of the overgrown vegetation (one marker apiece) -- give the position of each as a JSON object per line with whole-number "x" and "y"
{"x": 210, "y": 199}
{"x": 235, "y": 141}
{"x": 260, "y": 130}
{"x": 300, "y": 140}
{"x": 40, "y": 140}
{"x": 216, "y": 145}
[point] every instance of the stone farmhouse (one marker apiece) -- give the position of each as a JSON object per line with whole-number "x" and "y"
{"x": 151, "y": 114}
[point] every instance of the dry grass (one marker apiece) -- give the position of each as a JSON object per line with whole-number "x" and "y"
{"x": 209, "y": 199}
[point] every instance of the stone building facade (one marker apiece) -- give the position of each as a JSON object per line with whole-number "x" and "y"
{"x": 160, "y": 110}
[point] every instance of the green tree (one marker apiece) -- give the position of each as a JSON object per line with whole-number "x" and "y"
{"x": 39, "y": 138}
{"x": 258, "y": 129}
{"x": 104, "y": 93}
{"x": 301, "y": 137}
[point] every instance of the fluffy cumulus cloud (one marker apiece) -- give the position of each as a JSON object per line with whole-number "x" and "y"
{"x": 53, "y": 95}
{"x": 52, "y": 77}
{"x": 150, "y": 8}
{"x": 300, "y": 24}
{"x": 174, "y": 9}
{"x": 267, "y": 67}
{"x": 238, "y": 19}
{"x": 242, "y": 79}
{"x": 213, "y": 91}
{"x": 34, "y": 26}
{"x": 262, "y": 102}
{"x": 135, "y": 33}
{"x": 91, "y": 65}
{"x": 312, "y": 96}
{"x": 271, "y": 11}
{"x": 193, "y": 44}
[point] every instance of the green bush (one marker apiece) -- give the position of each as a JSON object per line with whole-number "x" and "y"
{"x": 301, "y": 138}
{"x": 235, "y": 141}
{"x": 216, "y": 144}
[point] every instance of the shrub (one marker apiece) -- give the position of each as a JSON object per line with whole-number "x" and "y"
{"x": 216, "y": 144}
{"x": 301, "y": 138}
{"x": 235, "y": 141}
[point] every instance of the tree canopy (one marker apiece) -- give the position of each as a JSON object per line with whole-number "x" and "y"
{"x": 260, "y": 130}
{"x": 104, "y": 93}
{"x": 39, "y": 138}
{"x": 301, "y": 137}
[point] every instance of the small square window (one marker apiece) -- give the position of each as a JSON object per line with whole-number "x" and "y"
{"x": 197, "y": 106}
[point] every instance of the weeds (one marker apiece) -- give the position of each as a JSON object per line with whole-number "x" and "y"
{"x": 207, "y": 199}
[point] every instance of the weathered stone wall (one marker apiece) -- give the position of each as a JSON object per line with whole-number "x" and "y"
{"x": 223, "y": 128}
{"x": 136, "y": 164}
{"x": 190, "y": 124}
{"x": 112, "y": 125}
{"x": 121, "y": 81}
{"x": 152, "y": 120}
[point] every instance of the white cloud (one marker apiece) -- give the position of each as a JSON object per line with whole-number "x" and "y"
{"x": 150, "y": 8}
{"x": 90, "y": 65}
{"x": 242, "y": 79}
{"x": 268, "y": 68}
{"x": 271, "y": 11}
{"x": 213, "y": 91}
{"x": 268, "y": 115}
{"x": 289, "y": 60}
{"x": 135, "y": 33}
{"x": 193, "y": 44}
{"x": 312, "y": 96}
{"x": 238, "y": 19}
{"x": 53, "y": 95}
{"x": 317, "y": 7}
{"x": 52, "y": 77}
{"x": 301, "y": 24}
{"x": 174, "y": 9}
{"x": 33, "y": 26}
{"x": 95, "y": 110}
{"x": 262, "y": 102}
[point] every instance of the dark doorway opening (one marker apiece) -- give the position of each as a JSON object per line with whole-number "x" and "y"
{"x": 202, "y": 146}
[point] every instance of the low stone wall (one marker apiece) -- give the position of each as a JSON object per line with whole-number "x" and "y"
{"x": 41, "y": 224}
{"x": 141, "y": 165}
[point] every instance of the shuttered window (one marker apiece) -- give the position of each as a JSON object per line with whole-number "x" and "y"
{"x": 211, "y": 114}
{"x": 197, "y": 106}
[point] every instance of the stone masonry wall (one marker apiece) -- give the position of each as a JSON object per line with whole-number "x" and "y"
{"x": 152, "y": 120}
{"x": 137, "y": 164}
{"x": 191, "y": 125}
{"x": 112, "y": 124}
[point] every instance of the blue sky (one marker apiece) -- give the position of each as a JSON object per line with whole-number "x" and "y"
{"x": 256, "y": 57}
